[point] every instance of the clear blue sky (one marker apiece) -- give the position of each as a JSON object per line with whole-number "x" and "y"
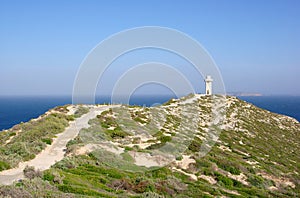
{"x": 256, "y": 44}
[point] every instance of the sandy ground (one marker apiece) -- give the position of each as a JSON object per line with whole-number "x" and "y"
{"x": 54, "y": 152}
{"x": 106, "y": 145}
{"x": 148, "y": 160}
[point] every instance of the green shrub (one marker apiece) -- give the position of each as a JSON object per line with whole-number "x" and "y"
{"x": 80, "y": 190}
{"x": 48, "y": 176}
{"x": 12, "y": 134}
{"x": 165, "y": 139}
{"x": 155, "y": 146}
{"x": 195, "y": 145}
{"x": 127, "y": 148}
{"x": 237, "y": 183}
{"x": 225, "y": 180}
{"x": 28, "y": 157}
{"x": 162, "y": 138}
{"x": 169, "y": 102}
{"x": 233, "y": 170}
{"x": 76, "y": 140}
{"x": 203, "y": 163}
{"x": 140, "y": 120}
{"x": 52, "y": 176}
{"x": 4, "y": 166}
{"x": 62, "y": 109}
{"x": 113, "y": 173}
{"x": 227, "y": 166}
{"x": 116, "y": 133}
{"x": 251, "y": 170}
{"x": 178, "y": 158}
{"x": 66, "y": 163}
{"x": 161, "y": 173}
{"x": 81, "y": 111}
{"x": 208, "y": 171}
{"x": 256, "y": 181}
{"x": 47, "y": 141}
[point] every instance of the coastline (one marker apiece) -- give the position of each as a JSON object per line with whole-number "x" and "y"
{"x": 14, "y": 110}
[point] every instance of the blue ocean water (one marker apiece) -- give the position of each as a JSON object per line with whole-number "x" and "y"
{"x": 14, "y": 110}
{"x": 286, "y": 105}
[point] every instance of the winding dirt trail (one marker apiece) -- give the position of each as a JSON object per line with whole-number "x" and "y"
{"x": 54, "y": 152}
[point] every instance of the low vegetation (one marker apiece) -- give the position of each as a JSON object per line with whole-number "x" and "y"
{"x": 256, "y": 155}
{"x": 31, "y": 173}
{"x": 24, "y": 141}
{"x": 111, "y": 127}
{"x": 81, "y": 110}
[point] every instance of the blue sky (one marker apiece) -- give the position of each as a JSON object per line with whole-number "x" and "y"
{"x": 256, "y": 44}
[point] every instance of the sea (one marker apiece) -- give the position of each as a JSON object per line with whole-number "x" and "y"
{"x": 17, "y": 109}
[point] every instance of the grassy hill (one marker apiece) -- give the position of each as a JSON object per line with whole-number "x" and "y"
{"x": 196, "y": 146}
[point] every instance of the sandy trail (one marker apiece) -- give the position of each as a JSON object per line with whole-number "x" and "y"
{"x": 54, "y": 152}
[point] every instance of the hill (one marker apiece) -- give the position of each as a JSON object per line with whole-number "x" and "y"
{"x": 196, "y": 146}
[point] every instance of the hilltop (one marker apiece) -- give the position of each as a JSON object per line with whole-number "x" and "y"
{"x": 195, "y": 146}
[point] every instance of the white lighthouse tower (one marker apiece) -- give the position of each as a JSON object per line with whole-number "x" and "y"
{"x": 208, "y": 85}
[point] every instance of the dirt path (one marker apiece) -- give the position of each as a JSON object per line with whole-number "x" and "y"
{"x": 54, "y": 152}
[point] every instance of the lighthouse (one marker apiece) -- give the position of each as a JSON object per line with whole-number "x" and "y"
{"x": 208, "y": 85}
